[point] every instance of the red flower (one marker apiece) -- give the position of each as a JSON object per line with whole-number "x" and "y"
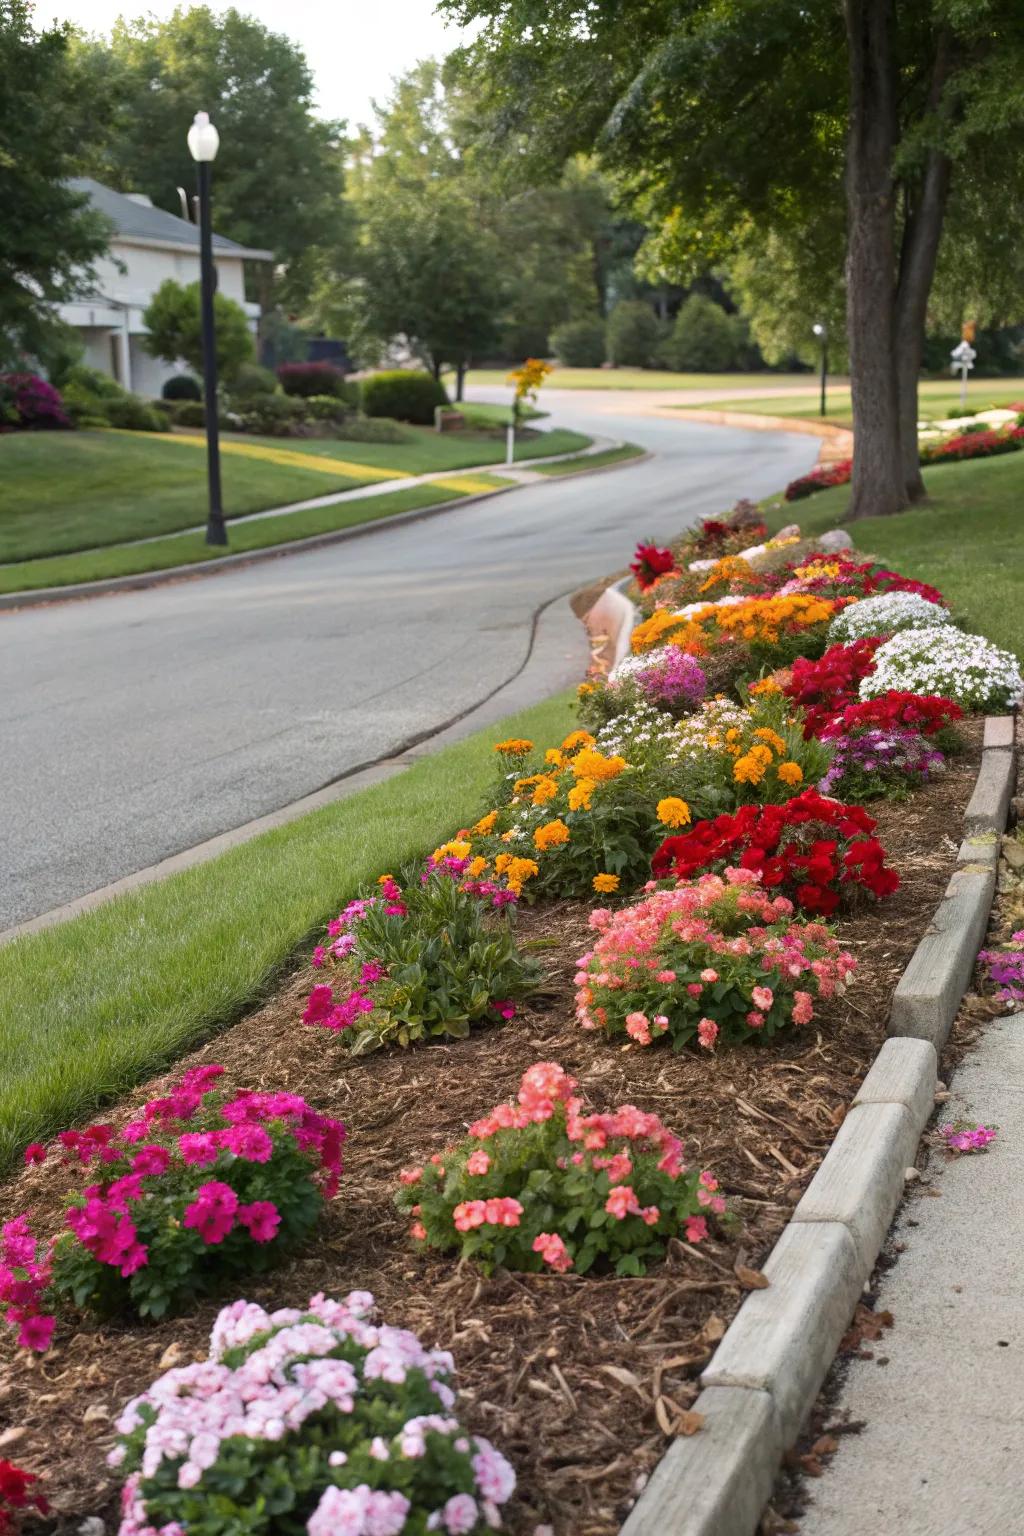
{"x": 649, "y": 563}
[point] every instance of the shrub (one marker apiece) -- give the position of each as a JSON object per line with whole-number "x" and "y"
{"x": 16, "y": 1495}
{"x": 813, "y": 849}
{"x": 580, "y": 343}
{"x": 301, "y": 1421}
{"x": 366, "y": 429}
{"x": 326, "y": 408}
{"x": 715, "y": 961}
{"x": 132, "y": 414}
{"x": 183, "y": 386}
{"x": 703, "y": 338}
{"x": 540, "y": 1184}
{"x": 633, "y": 335}
{"x": 422, "y": 959}
{"x": 308, "y": 379}
{"x": 404, "y": 395}
{"x": 876, "y": 762}
{"x": 252, "y": 380}
{"x": 887, "y": 614}
{"x": 669, "y": 679}
{"x": 272, "y": 415}
{"x": 966, "y": 668}
{"x": 202, "y": 1188}
{"x": 190, "y": 413}
{"x": 29, "y": 404}
{"x": 95, "y": 381}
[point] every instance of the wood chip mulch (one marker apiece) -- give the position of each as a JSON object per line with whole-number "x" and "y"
{"x": 580, "y": 1381}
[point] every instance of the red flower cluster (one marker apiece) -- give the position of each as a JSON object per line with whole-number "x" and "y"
{"x": 15, "y": 1493}
{"x": 926, "y": 713}
{"x": 973, "y": 445}
{"x": 866, "y": 580}
{"x": 789, "y": 846}
{"x": 823, "y": 688}
{"x": 649, "y": 563}
{"x": 714, "y": 534}
{"x": 820, "y": 479}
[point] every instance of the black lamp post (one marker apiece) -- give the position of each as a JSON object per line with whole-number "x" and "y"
{"x": 203, "y": 143}
{"x": 821, "y": 331}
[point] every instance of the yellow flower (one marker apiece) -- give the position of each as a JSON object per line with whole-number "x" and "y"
{"x": 766, "y": 685}
{"x": 551, "y": 835}
{"x": 584, "y": 689}
{"x": 516, "y": 746}
{"x": 383, "y": 879}
{"x": 546, "y": 790}
{"x": 476, "y": 867}
{"x": 486, "y": 824}
{"x": 579, "y": 795}
{"x": 577, "y": 739}
{"x": 509, "y": 836}
{"x": 502, "y": 863}
{"x": 748, "y": 769}
{"x": 518, "y": 872}
{"x": 763, "y": 733}
{"x": 455, "y": 850}
{"x": 605, "y": 884}
{"x": 790, "y": 773}
{"x": 673, "y": 812}
{"x": 594, "y": 765}
{"x": 521, "y": 784}
{"x": 554, "y": 757}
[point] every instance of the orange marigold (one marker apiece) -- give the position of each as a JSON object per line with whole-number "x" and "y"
{"x": 605, "y": 884}
{"x": 551, "y": 835}
{"x": 516, "y": 746}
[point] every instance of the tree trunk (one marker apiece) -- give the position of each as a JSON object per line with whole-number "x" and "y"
{"x": 921, "y": 235}
{"x": 877, "y": 488}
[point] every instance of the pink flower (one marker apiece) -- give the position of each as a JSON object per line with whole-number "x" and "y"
{"x": 36, "y": 1333}
{"x": 460, "y": 1514}
{"x": 803, "y": 1008}
{"x": 755, "y": 1020}
{"x": 709, "y": 975}
{"x": 506, "y": 1010}
{"x": 199, "y": 1147}
{"x": 696, "y": 1229}
{"x": 262, "y": 1218}
{"x": 212, "y": 1213}
{"x": 503, "y": 1212}
{"x": 707, "y": 1033}
{"x": 469, "y": 1214}
{"x": 763, "y": 997}
{"x": 478, "y": 1162}
{"x": 666, "y": 977}
{"x": 410, "y": 1175}
{"x": 637, "y": 1028}
{"x": 694, "y": 988}
{"x": 151, "y": 1160}
{"x": 250, "y": 1142}
{"x": 418, "y": 1231}
{"x": 553, "y": 1251}
{"x": 35, "y": 1152}
{"x": 622, "y": 1202}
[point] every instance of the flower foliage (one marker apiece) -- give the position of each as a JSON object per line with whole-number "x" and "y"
{"x": 972, "y": 671}
{"x": 204, "y": 1187}
{"x": 314, "y": 1421}
{"x": 30, "y": 403}
{"x": 835, "y": 575}
{"x": 715, "y": 960}
{"x": 811, "y": 848}
{"x": 422, "y": 957}
{"x": 539, "y": 1184}
{"x": 886, "y": 614}
{"x": 17, "y": 1495}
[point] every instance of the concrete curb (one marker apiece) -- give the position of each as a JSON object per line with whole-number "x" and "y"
{"x": 768, "y": 1369}
{"x": 613, "y": 617}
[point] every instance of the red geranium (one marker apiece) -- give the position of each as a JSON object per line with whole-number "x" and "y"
{"x": 812, "y": 847}
{"x": 649, "y": 563}
{"x": 924, "y": 712}
{"x": 823, "y": 688}
{"x": 15, "y": 1493}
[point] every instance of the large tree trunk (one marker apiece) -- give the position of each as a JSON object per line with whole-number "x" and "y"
{"x": 460, "y": 380}
{"x": 877, "y": 487}
{"x": 922, "y": 232}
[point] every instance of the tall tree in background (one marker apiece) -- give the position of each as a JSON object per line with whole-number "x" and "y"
{"x": 727, "y": 117}
{"x": 279, "y": 172}
{"x": 47, "y": 238}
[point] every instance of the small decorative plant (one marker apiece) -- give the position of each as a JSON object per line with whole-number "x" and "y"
{"x": 877, "y": 764}
{"x": 887, "y": 614}
{"x": 715, "y": 961}
{"x": 311, "y": 1422}
{"x": 669, "y": 679}
{"x": 204, "y": 1188}
{"x": 962, "y": 1136}
{"x": 1005, "y": 970}
{"x": 541, "y": 1185}
{"x": 972, "y": 671}
{"x": 421, "y": 958}
{"x": 813, "y": 849}
{"x": 18, "y": 1495}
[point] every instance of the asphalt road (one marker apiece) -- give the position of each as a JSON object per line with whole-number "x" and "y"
{"x": 136, "y": 725}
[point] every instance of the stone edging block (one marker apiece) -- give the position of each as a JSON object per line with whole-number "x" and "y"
{"x": 990, "y": 803}
{"x": 929, "y": 991}
{"x": 998, "y": 732}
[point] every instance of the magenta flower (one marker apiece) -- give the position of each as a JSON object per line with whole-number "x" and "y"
{"x": 199, "y": 1147}
{"x": 212, "y": 1213}
{"x": 36, "y": 1333}
{"x": 151, "y": 1160}
{"x": 262, "y": 1218}
{"x": 250, "y": 1142}
{"x": 35, "y": 1152}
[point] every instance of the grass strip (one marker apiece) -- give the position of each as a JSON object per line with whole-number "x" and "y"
{"x": 262, "y": 533}
{"x": 967, "y": 539}
{"x": 593, "y": 460}
{"x": 92, "y": 1006}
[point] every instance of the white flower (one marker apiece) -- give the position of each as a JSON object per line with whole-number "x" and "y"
{"x": 946, "y": 662}
{"x": 887, "y": 614}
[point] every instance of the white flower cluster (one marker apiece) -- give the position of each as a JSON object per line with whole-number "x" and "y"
{"x": 887, "y": 614}
{"x": 966, "y": 668}
{"x": 638, "y": 736}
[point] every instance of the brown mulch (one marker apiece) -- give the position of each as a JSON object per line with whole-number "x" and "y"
{"x": 580, "y": 1381}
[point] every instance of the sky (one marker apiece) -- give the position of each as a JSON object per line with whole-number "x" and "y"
{"x": 355, "y": 47}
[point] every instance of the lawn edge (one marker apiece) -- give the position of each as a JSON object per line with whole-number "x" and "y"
{"x": 627, "y": 462}
{"x": 766, "y": 1373}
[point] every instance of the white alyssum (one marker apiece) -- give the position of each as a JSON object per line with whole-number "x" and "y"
{"x": 887, "y": 614}
{"x": 966, "y": 668}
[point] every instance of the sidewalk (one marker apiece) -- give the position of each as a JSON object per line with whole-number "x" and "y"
{"x": 942, "y": 1448}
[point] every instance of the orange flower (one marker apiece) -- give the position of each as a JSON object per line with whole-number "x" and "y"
{"x": 673, "y": 812}
{"x": 546, "y": 790}
{"x": 580, "y": 794}
{"x": 577, "y": 739}
{"x": 552, "y": 835}
{"x": 790, "y": 773}
{"x": 605, "y": 884}
{"x": 516, "y": 746}
{"x": 594, "y": 765}
{"x": 486, "y": 824}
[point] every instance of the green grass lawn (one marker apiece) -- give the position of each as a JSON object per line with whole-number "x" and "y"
{"x": 93, "y": 1006}
{"x": 937, "y": 398}
{"x": 635, "y": 378}
{"x": 70, "y": 491}
{"x": 192, "y": 548}
{"x": 593, "y": 460}
{"x": 967, "y": 539}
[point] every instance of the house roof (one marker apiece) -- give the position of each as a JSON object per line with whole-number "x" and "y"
{"x": 137, "y": 223}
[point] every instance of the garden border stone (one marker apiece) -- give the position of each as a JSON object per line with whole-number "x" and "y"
{"x": 768, "y": 1369}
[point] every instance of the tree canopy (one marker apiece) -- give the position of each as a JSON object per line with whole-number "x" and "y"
{"x": 173, "y": 320}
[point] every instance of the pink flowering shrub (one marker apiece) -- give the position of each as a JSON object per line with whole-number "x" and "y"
{"x": 425, "y": 957}
{"x": 315, "y": 1421}
{"x": 204, "y": 1188}
{"x": 713, "y": 959}
{"x": 540, "y": 1185}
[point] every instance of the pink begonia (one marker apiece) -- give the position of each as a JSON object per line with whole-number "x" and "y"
{"x": 622, "y": 1202}
{"x": 151, "y": 1160}
{"x": 553, "y": 1251}
{"x": 460, "y": 1514}
{"x": 212, "y": 1213}
{"x": 707, "y": 1033}
{"x": 709, "y": 975}
{"x": 803, "y": 1008}
{"x": 696, "y": 1229}
{"x": 249, "y": 1142}
{"x": 199, "y": 1147}
{"x": 478, "y": 1162}
{"x": 638, "y": 1028}
{"x": 410, "y": 1175}
{"x": 360, "y": 1511}
{"x": 763, "y": 997}
{"x": 262, "y": 1218}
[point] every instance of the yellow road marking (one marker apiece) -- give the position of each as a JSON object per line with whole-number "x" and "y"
{"x": 318, "y": 463}
{"x": 464, "y": 484}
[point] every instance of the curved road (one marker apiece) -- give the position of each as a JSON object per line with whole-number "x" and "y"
{"x": 140, "y": 724}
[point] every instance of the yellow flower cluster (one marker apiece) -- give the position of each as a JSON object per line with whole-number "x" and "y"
{"x": 605, "y": 884}
{"x": 729, "y": 569}
{"x": 673, "y": 812}
{"x": 751, "y": 766}
{"x": 762, "y": 618}
{"x": 589, "y": 764}
{"x": 516, "y": 871}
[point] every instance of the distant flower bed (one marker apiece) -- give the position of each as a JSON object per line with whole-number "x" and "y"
{"x": 821, "y": 479}
{"x": 973, "y": 445}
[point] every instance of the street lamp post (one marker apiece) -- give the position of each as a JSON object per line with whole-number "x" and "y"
{"x": 821, "y": 331}
{"x": 203, "y": 142}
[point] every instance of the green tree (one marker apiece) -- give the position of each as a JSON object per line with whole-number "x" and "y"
{"x": 173, "y": 321}
{"x": 279, "y": 174}
{"x": 633, "y": 335}
{"x": 724, "y": 116}
{"x": 703, "y": 337}
{"x": 48, "y": 239}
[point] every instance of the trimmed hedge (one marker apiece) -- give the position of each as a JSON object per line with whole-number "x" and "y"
{"x": 403, "y": 394}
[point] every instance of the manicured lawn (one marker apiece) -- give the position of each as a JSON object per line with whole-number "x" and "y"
{"x": 937, "y": 398}
{"x": 637, "y": 378}
{"x": 593, "y": 461}
{"x": 62, "y": 492}
{"x": 92, "y": 1006}
{"x": 967, "y": 539}
{"x": 192, "y": 549}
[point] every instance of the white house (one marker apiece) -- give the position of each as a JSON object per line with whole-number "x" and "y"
{"x": 146, "y": 247}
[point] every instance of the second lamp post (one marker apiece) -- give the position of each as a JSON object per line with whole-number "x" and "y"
{"x": 203, "y": 143}
{"x": 821, "y": 331}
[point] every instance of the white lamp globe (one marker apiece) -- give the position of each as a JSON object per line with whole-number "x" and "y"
{"x": 203, "y": 138}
